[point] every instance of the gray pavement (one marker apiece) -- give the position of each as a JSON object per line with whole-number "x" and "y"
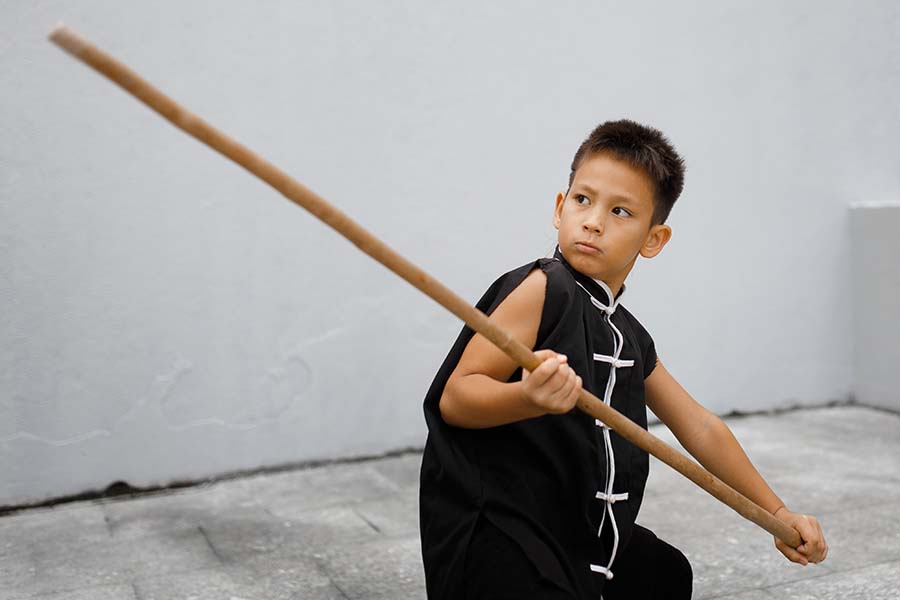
{"x": 350, "y": 530}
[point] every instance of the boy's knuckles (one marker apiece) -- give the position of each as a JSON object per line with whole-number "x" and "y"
{"x": 550, "y": 365}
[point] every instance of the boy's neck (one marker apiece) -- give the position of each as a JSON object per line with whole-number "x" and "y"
{"x": 611, "y": 294}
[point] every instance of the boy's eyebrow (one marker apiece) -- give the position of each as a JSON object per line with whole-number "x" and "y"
{"x": 593, "y": 192}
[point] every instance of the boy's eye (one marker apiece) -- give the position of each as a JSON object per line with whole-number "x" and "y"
{"x": 622, "y": 212}
{"x": 582, "y": 199}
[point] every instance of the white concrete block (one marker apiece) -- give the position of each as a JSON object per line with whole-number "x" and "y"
{"x": 875, "y": 291}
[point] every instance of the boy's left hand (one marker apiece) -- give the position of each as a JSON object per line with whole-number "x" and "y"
{"x": 813, "y": 549}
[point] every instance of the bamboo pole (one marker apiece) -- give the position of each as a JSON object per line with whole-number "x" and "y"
{"x": 196, "y": 127}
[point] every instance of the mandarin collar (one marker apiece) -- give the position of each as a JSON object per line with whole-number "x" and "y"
{"x": 595, "y": 287}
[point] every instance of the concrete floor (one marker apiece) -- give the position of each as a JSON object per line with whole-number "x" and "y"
{"x": 350, "y": 530}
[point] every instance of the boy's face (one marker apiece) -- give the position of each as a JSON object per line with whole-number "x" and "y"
{"x": 605, "y": 220}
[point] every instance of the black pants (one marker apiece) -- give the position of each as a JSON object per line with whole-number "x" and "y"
{"x": 647, "y": 569}
{"x": 650, "y": 568}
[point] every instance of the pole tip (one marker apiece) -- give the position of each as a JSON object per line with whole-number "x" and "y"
{"x": 68, "y": 40}
{"x": 58, "y": 30}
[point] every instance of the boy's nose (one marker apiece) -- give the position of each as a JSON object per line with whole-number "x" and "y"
{"x": 593, "y": 226}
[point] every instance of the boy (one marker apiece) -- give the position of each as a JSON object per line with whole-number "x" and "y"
{"x": 521, "y": 495}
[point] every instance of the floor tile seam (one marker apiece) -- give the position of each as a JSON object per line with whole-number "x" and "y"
{"x": 317, "y": 553}
{"x": 120, "y": 537}
{"x": 125, "y": 581}
{"x": 342, "y": 503}
{"x": 706, "y": 527}
{"x": 695, "y": 491}
{"x": 338, "y": 588}
{"x": 323, "y": 557}
{"x": 171, "y": 501}
{"x": 210, "y": 545}
{"x": 861, "y": 506}
{"x": 368, "y": 522}
{"x": 227, "y": 560}
{"x": 769, "y": 589}
{"x": 818, "y": 514}
{"x": 735, "y": 593}
{"x": 226, "y": 569}
{"x": 349, "y": 506}
{"x": 235, "y": 572}
{"x": 175, "y": 571}
{"x": 834, "y": 572}
{"x": 78, "y": 589}
{"x": 797, "y": 575}
{"x": 116, "y": 534}
{"x": 322, "y": 565}
{"x": 879, "y": 563}
{"x": 109, "y": 525}
{"x": 384, "y": 478}
{"x": 126, "y": 537}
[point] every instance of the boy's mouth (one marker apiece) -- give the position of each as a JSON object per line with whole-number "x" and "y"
{"x": 587, "y": 248}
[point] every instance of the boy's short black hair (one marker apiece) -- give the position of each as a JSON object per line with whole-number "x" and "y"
{"x": 642, "y": 147}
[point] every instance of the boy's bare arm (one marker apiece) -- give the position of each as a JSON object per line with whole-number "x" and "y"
{"x": 711, "y": 442}
{"x": 477, "y": 395}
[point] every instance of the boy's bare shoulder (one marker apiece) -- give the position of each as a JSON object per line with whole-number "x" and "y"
{"x": 527, "y": 299}
{"x": 535, "y": 283}
{"x": 549, "y": 282}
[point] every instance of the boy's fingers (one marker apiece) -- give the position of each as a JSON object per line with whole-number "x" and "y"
{"x": 824, "y": 543}
{"x": 558, "y": 390}
{"x": 570, "y": 393}
{"x": 813, "y": 545}
{"x": 541, "y": 354}
{"x": 816, "y": 548}
{"x": 557, "y": 367}
{"x": 553, "y": 380}
{"x": 569, "y": 384}
{"x": 813, "y": 548}
{"x": 790, "y": 553}
{"x": 544, "y": 354}
{"x": 545, "y": 370}
{"x": 560, "y": 379}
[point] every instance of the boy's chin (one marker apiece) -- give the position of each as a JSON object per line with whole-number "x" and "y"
{"x": 589, "y": 268}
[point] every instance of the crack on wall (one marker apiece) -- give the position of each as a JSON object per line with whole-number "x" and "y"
{"x": 277, "y": 388}
{"x": 166, "y": 381}
{"x": 281, "y": 385}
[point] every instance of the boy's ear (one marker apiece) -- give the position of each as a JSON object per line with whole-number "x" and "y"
{"x": 557, "y": 212}
{"x": 656, "y": 240}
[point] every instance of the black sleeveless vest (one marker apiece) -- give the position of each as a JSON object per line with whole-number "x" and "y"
{"x": 543, "y": 481}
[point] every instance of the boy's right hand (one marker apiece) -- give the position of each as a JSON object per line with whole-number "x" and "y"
{"x": 553, "y": 387}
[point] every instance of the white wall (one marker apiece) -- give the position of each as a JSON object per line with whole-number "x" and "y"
{"x": 166, "y": 316}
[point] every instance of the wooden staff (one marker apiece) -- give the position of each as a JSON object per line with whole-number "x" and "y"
{"x": 193, "y": 125}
